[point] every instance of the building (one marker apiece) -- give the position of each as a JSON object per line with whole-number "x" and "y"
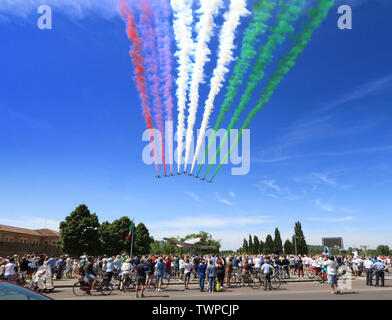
{"x": 14, "y": 240}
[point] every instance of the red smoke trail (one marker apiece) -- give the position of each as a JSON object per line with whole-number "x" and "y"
{"x": 137, "y": 59}
{"x": 149, "y": 36}
{"x": 164, "y": 33}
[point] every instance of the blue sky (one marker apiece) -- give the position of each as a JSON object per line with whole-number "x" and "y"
{"x": 71, "y": 126}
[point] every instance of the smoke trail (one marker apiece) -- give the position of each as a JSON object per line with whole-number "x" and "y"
{"x": 317, "y": 15}
{"x": 152, "y": 66}
{"x": 208, "y": 9}
{"x": 182, "y": 24}
{"x": 163, "y": 31}
{"x": 225, "y": 56}
{"x": 139, "y": 78}
{"x": 280, "y": 31}
{"x": 261, "y": 14}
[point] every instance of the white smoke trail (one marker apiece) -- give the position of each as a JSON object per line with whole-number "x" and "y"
{"x": 226, "y": 46}
{"x": 182, "y": 24}
{"x": 208, "y": 9}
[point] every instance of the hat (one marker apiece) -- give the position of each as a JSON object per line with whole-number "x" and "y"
{"x": 110, "y": 259}
{"x": 128, "y": 261}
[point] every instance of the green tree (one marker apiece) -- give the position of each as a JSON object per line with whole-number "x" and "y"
{"x": 142, "y": 240}
{"x": 113, "y": 236}
{"x": 256, "y": 245}
{"x": 288, "y": 247}
{"x": 79, "y": 233}
{"x": 299, "y": 239}
{"x": 269, "y": 245}
{"x": 261, "y": 246}
{"x": 250, "y": 245}
{"x": 245, "y": 246}
{"x": 278, "y": 248}
{"x": 382, "y": 250}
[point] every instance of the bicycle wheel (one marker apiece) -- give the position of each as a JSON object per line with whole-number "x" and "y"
{"x": 255, "y": 282}
{"x": 234, "y": 281}
{"x": 275, "y": 282}
{"x": 107, "y": 289}
{"x": 320, "y": 278}
{"x": 77, "y": 290}
{"x": 165, "y": 283}
{"x": 310, "y": 274}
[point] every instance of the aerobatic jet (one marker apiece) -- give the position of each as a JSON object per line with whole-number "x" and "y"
{"x": 190, "y": 243}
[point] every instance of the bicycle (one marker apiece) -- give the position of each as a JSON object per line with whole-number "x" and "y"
{"x": 164, "y": 284}
{"x": 322, "y": 275}
{"x": 275, "y": 282}
{"x": 126, "y": 283}
{"x": 251, "y": 280}
{"x": 313, "y": 272}
{"x": 82, "y": 288}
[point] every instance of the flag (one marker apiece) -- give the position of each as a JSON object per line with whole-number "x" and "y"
{"x": 130, "y": 230}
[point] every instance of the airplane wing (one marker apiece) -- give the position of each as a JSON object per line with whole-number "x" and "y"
{"x": 182, "y": 244}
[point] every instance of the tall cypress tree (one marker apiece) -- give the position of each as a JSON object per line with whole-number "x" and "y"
{"x": 288, "y": 247}
{"x": 269, "y": 245}
{"x": 256, "y": 245}
{"x": 278, "y": 248}
{"x": 299, "y": 239}
{"x": 261, "y": 246}
{"x": 250, "y": 245}
{"x": 245, "y": 246}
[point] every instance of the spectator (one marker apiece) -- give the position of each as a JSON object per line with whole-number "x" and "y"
{"x": 211, "y": 272}
{"x": 266, "y": 269}
{"x": 202, "y": 274}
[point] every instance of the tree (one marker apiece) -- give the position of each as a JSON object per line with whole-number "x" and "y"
{"x": 245, "y": 246}
{"x": 250, "y": 245}
{"x": 256, "y": 245}
{"x": 261, "y": 246}
{"x": 299, "y": 239}
{"x": 79, "y": 233}
{"x": 113, "y": 236}
{"x": 288, "y": 247}
{"x": 278, "y": 248}
{"x": 269, "y": 245}
{"x": 142, "y": 240}
{"x": 382, "y": 250}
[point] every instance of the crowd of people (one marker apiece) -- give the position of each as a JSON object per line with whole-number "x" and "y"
{"x": 214, "y": 269}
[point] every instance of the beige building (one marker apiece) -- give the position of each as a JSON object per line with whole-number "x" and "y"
{"x": 10, "y": 234}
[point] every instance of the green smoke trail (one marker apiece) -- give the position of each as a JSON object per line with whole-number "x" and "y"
{"x": 261, "y": 13}
{"x": 317, "y": 15}
{"x": 279, "y": 32}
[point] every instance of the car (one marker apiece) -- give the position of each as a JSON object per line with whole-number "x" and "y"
{"x": 10, "y": 291}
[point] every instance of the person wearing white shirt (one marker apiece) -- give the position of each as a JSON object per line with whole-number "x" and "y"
{"x": 10, "y": 270}
{"x": 368, "y": 265}
{"x": 181, "y": 265}
{"x": 257, "y": 262}
{"x": 187, "y": 270}
{"x": 331, "y": 266}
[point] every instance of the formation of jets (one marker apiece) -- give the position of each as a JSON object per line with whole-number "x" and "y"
{"x": 183, "y": 173}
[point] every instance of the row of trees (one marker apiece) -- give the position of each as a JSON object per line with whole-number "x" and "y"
{"x": 274, "y": 245}
{"x": 81, "y": 233}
